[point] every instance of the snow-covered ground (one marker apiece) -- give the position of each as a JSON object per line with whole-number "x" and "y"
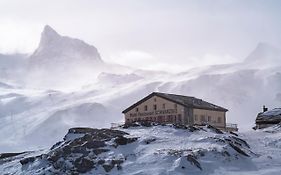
{"x": 158, "y": 150}
{"x": 267, "y": 145}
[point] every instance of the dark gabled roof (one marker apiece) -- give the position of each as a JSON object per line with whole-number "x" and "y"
{"x": 186, "y": 101}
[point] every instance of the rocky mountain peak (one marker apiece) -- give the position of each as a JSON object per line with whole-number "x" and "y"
{"x": 48, "y": 38}
{"x": 55, "y": 47}
{"x": 48, "y": 31}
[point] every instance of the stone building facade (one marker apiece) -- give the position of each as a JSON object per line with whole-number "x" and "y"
{"x": 177, "y": 109}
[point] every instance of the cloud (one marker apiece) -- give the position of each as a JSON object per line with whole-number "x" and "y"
{"x": 145, "y": 60}
{"x": 18, "y": 37}
{"x": 175, "y": 32}
{"x": 142, "y": 60}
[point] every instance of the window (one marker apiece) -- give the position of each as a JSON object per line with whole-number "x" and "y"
{"x": 164, "y": 106}
{"x": 145, "y": 107}
{"x": 209, "y": 118}
{"x": 219, "y": 119}
{"x": 155, "y": 99}
{"x": 175, "y": 106}
{"x": 179, "y": 117}
{"x": 195, "y": 117}
{"x": 137, "y": 109}
{"x": 155, "y": 107}
{"x": 203, "y": 119}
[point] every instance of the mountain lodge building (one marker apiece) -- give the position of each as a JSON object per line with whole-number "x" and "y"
{"x": 177, "y": 109}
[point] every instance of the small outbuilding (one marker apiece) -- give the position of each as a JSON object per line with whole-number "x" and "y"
{"x": 268, "y": 118}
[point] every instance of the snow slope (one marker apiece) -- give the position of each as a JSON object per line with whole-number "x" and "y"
{"x": 139, "y": 150}
{"x": 156, "y": 149}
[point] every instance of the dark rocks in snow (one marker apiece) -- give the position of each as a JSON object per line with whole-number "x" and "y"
{"x": 149, "y": 140}
{"x": 104, "y": 151}
{"x": 81, "y": 151}
{"x": 99, "y": 151}
{"x": 54, "y": 156}
{"x": 27, "y": 160}
{"x": 7, "y": 155}
{"x": 189, "y": 127}
{"x": 233, "y": 133}
{"x": 55, "y": 145}
{"x": 193, "y": 128}
{"x": 241, "y": 141}
{"x": 179, "y": 126}
{"x": 82, "y": 130}
{"x": 192, "y": 159}
{"x": 226, "y": 153}
{"x": 238, "y": 144}
{"x": 94, "y": 144}
{"x": 140, "y": 123}
{"x": 216, "y": 130}
{"x": 128, "y": 125}
{"x": 108, "y": 167}
{"x": 83, "y": 165}
{"x": 239, "y": 150}
{"x": 120, "y": 140}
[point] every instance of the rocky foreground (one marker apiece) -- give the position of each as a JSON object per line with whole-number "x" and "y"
{"x": 135, "y": 149}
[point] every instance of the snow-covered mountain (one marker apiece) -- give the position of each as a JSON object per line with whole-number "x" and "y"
{"x": 56, "y": 50}
{"x": 37, "y": 103}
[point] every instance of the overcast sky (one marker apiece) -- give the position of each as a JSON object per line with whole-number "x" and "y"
{"x": 180, "y": 33}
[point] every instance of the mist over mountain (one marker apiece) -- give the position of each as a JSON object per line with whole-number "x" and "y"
{"x": 39, "y": 103}
{"x": 12, "y": 67}
{"x": 61, "y": 58}
{"x": 264, "y": 56}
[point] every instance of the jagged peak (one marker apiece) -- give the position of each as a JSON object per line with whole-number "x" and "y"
{"x": 53, "y": 45}
{"x": 49, "y": 29}
{"x": 264, "y": 46}
{"x": 48, "y": 33}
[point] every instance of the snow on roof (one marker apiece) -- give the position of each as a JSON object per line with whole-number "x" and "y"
{"x": 270, "y": 117}
{"x": 273, "y": 112}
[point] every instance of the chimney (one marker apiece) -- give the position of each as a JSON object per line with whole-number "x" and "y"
{"x": 264, "y": 108}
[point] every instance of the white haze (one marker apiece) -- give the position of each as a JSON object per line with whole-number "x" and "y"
{"x": 181, "y": 33}
{"x": 170, "y": 48}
